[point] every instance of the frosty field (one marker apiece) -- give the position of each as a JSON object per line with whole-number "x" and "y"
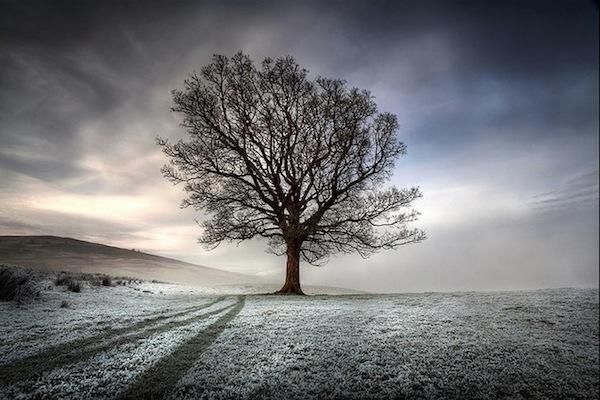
{"x": 168, "y": 341}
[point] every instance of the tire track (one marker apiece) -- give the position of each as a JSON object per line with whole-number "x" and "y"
{"x": 82, "y": 349}
{"x": 154, "y": 317}
{"x": 160, "y": 379}
{"x": 148, "y": 318}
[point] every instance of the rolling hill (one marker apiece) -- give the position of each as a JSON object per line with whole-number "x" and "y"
{"x": 65, "y": 254}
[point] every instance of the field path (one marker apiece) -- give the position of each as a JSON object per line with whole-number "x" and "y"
{"x": 159, "y": 380}
{"x": 36, "y": 366}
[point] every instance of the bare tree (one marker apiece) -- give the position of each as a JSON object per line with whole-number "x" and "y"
{"x": 298, "y": 161}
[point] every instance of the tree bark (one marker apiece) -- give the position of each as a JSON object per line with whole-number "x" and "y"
{"x": 292, "y": 276}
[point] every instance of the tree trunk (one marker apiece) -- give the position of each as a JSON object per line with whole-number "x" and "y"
{"x": 292, "y": 276}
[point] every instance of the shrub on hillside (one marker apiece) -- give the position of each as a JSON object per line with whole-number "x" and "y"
{"x": 69, "y": 281}
{"x": 74, "y": 286}
{"x": 63, "y": 280}
{"x": 16, "y": 284}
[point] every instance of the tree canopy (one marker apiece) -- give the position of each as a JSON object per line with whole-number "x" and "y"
{"x": 274, "y": 154}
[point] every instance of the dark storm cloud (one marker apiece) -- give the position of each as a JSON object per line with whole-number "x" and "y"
{"x": 64, "y": 63}
{"x": 67, "y": 63}
{"x": 522, "y": 70}
{"x": 520, "y": 39}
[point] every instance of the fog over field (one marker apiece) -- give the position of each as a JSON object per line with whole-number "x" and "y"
{"x": 497, "y": 103}
{"x": 150, "y": 340}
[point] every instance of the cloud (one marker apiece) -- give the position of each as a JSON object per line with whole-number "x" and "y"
{"x": 498, "y": 104}
{"x": 575, "y": 192}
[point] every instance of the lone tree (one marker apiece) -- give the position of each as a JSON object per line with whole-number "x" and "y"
{"x": 301, "y": 162}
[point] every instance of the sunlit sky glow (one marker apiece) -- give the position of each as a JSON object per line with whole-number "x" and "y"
{"x": 497, "y": 102}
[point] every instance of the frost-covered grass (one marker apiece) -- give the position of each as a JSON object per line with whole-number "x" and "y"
{"x": 27, "y": 328}
{"x": 110, "y": 371}
{"x": 541, "y": 344}
{"x": 154, "y": 339}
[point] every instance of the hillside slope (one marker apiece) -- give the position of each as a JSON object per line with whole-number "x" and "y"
{"x": 66, "y": 254}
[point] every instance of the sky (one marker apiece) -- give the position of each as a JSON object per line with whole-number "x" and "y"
{"x": 497, "y": 104}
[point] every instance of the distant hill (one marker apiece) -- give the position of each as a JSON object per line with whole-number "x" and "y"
{"x": 66, "y": 254}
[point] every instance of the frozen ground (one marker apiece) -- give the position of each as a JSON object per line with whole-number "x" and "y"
{"x": 168, "y": 341}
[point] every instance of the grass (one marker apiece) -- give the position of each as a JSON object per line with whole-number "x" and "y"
{"x": 87, "y": 347}
{"x": 19, "y": 284}
{"x": 74, "y": 281}
{"x": 63, "y": 280}
{"x": 72, "y": 284}
{"x": 161, "y": 378}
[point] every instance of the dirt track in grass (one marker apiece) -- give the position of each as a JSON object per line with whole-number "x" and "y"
{"x": 161, "y": 378}
{"x": 82, "y": 349}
